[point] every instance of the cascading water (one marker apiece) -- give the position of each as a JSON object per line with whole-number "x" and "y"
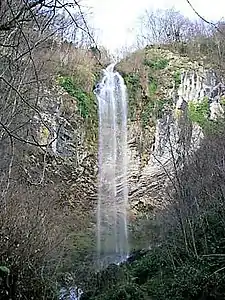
{"x": 112, "y": 181}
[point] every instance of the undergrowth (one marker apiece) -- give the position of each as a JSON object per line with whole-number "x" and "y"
{"x": 187, "y": 262}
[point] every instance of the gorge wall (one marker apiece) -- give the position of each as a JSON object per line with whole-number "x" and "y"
{"x": 178, "y": 102}
{"x": 172, "y": 101}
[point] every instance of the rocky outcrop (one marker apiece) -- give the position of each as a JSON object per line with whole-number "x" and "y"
{"x": 199, "y": 84}
{"x": 64, "y": 156}
{"x": 197, "y": 92}
{"x": 177, "y": 87}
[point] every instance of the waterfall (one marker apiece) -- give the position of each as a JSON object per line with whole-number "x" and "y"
{"x": 112, "y": 236}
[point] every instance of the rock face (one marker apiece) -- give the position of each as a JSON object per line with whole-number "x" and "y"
{"x": 177, "y": 133}
{"x": 60, "y": 129}
{"x": 59, "y": 126}
{"x": 198, "y": 84}
{"x": 155, "y": 152}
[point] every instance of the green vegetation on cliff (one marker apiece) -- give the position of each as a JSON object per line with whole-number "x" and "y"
{"x": 148, "y": 100}
{"x": 86, "y": 101}
{"x": 132, "y": 81}
{"x": 156, "y": 64}
{"x": 198, "y": 112}
{"x": 177, "y": 78}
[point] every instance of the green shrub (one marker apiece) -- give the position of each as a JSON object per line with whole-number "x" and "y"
{"x": 86, "y": 102}
{"x": 147, "y": 113}
{"x": 152, "y": 87}
{"x": 132, "y": 81}
{"x": 156, "y": 64}
{"x": 198, "y": 112}
{"x": 177, "y": 78}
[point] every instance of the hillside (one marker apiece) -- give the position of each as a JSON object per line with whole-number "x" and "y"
{"x": 49, "y": 143}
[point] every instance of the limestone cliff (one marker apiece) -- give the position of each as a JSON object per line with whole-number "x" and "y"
{"x": 172, "y": 102}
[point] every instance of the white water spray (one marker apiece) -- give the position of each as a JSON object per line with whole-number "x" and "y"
{"x": 112, "y": 181}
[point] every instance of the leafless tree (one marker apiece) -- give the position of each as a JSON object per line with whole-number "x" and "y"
{"x": 163, "y": 26}
{"x": 214, "y": 43}
{"x": 31, "y": 32}
{"x": 169, "y": 26}
{"x": 26, "y": 29}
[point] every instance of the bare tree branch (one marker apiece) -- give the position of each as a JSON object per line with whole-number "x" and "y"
{"x": 204, "y": 19}
{"x": 27, "y": 7}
